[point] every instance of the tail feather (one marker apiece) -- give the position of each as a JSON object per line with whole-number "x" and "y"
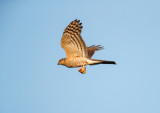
{"x": 108, "y": 62}
{"x": 95, "y": 62}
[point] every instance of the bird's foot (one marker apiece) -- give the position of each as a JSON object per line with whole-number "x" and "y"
{"x": 82, "y": 70}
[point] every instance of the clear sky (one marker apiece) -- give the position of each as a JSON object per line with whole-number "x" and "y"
{"x": 32, "y": 82}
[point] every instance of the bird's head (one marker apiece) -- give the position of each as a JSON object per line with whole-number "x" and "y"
{"x": 61, "y": 61}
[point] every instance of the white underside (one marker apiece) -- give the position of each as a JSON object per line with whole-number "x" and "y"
{"x": 92, "y": 61}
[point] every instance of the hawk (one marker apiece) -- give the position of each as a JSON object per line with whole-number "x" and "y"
{"x": 77, "y": 53}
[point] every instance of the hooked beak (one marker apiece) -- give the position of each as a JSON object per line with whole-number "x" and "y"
{"x": 58, "y": 63}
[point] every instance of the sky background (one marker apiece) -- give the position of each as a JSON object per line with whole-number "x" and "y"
{"x": 32, "y": 82}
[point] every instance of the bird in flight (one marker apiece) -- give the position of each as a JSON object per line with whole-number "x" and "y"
{"x": 77, "y": 53}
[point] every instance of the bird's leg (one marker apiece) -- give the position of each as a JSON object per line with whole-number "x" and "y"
{"x": 82, "y": 70}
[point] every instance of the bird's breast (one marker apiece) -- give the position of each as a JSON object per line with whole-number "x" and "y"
{"x": 76, "y": 61}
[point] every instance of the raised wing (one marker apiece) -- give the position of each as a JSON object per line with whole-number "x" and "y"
{"x": 91, "y": 50}
{"x": 72, "y": 41}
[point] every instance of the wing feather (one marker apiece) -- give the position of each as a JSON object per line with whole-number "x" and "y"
{"x": 91, "y": 50}
{"x": 72, "y": 41}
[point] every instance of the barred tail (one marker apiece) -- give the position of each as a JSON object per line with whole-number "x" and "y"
{"x": 94, "y": 62}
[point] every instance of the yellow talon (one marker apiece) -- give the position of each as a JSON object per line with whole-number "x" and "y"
{"x": 82, "y": 70}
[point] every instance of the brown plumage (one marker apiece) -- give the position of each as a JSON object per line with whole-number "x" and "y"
{"x": 77, "y": 54}
{"x": 91, "y": 50}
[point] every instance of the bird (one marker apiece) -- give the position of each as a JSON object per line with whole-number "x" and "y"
{"x": 77, "y": 53}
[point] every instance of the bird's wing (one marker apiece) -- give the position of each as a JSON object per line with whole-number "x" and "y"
{"x": 91, "y": 50}
{"x": 72, "y": 41}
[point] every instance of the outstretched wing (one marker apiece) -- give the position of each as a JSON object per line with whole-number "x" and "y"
{"x": 72, "y": 41}
{"x": 91, "y": 50}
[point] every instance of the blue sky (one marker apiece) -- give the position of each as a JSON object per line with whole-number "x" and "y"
{"x": 32, "y": 82}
